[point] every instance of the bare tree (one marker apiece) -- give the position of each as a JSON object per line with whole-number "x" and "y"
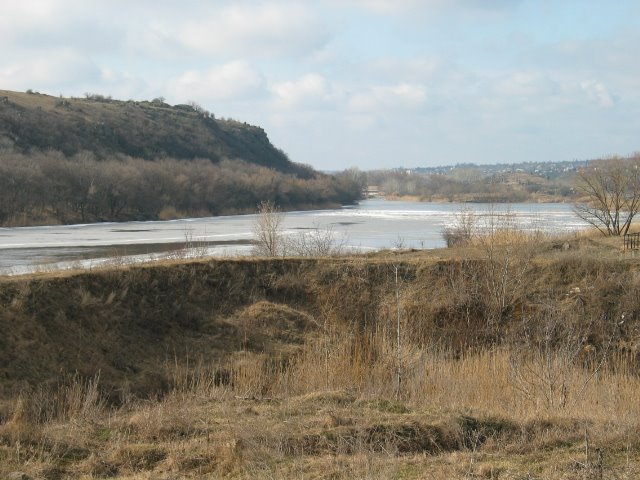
{"x": 507, "y": 252}
{"x": 464, "y": 227}
{"x": 612, "y": 194}
{"x": 267, "y": 230}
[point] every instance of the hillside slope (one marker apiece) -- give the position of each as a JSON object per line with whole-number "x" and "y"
{"x": 144, "y": 129}
{"x": 126, "y": 322}
{"x": 70, "y": 160}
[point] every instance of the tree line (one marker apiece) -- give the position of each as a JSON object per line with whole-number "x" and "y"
{"x": 468, "y": 185}
{"x": 51, "y": 188}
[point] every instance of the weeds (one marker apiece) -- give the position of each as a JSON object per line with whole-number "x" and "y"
{"x": 291, "y": 369}
{"x": 273, "y": 418}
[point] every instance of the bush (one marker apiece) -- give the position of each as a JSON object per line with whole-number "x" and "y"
{"x": 463, "y": 229}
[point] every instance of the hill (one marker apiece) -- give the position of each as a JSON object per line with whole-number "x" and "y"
{"x": 146, "y": 129}
{"x": 69, "y": 160}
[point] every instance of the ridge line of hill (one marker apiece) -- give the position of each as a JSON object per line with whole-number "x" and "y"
{"x": 142, "y": 129}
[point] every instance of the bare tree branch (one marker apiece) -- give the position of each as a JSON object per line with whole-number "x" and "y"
{"x": 611, "y": 194}
{"x": 267, "y": 230}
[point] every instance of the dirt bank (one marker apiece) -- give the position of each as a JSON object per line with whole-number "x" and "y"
{"x": 130, "y": 324}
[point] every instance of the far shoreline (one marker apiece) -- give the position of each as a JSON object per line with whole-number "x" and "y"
{"x": 470, "y": 200}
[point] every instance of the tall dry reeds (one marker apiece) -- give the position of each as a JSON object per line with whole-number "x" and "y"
{"x": 259, "y": 417}
{"x": 504, "y": 381}
{"x": 486, "y": 381}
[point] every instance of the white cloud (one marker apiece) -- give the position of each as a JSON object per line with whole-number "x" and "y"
{"x": 264, "y": 29}
{"x": 527, "y": 84}
{"x": 309, "y": 90}
{"x": 543, "y": 92}
{"x": 412, "y": 6}
{"x": 46, "y": 24}
{"x": 24, "y": 16}
{"x": 361, "y": 122}
{"x": 598, "y": 93}
{"x": 126, "y": 85}
{"x": 54, "y": 70}
{"x": 386, "y": 6}
{"x": 166, "y": 29}
{"x": 229, "y": 81}
{"x": 418, "y": 69}
{"x": 384, "y": 98}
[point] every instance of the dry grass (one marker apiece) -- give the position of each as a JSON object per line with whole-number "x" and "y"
{"x": 289, "y": 368}
{"x": 335, "y": 413}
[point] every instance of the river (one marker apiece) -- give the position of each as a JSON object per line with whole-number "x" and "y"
{"x": 373, "y": 224}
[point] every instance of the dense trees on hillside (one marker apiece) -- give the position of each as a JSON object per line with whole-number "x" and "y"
{"x": 49, "y": 187}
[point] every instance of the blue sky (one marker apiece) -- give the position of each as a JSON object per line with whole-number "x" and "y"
{"x": 366, "y": 83}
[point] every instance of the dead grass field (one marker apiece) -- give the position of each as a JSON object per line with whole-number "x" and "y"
{"x": 510, "y": 363}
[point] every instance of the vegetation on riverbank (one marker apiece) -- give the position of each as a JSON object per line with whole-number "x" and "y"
{"x": 503, "y": 359}
{"x": 49, "y": 188}
{"x": 72, "y": 160}
{"x": 472, "y": 184}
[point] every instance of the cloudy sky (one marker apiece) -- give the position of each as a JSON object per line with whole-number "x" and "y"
{"x": 366, "y": 83}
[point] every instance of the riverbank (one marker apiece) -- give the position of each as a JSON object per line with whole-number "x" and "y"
{"x": 480, "y": 184}
{"x": 475, "y": 199}
{"x": 257, "y": 368}
{"x": 372, "y": 225}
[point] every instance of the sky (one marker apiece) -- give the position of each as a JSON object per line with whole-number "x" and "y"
{"x": 355, "y": 83}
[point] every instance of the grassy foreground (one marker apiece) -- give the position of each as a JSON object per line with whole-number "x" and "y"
{"x": 509, "y": 360}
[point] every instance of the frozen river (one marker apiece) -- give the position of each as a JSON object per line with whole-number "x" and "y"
{"x": 373, "y": 224}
